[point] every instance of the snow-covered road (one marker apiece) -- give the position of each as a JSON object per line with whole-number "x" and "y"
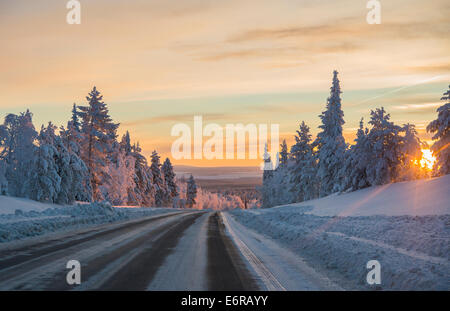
{"x": 183, "y": 250}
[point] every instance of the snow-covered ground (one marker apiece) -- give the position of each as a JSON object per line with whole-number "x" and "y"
{"x": 22, "y": 218}
{"x": 405, "y": 226}
{"x": 416, "y": 198}
{"x": 8, "y": 205}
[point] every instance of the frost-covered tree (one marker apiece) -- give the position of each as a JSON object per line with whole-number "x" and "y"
{"x": 17, "y": 147}
{"x": 158, "y": 182}
{"x": 126, "y": 143}
{"x": 71, "y": 136}
{"x": 3, "y": 180}
{"x": 267, "y": 165}
{"x": 144, "y": 192}
{"x": 284, "y": 155}
{"x": 44, "y": 182}
{"x": 304, "y": 184}
{"x": 276, "y": 187}
{"x": 356, "y": 161}
{"x": 386, "y": 154}
{"x": 122, "y": 171}
{"x": 441, "y": 134}
{"x": 3, "y": 165}
{"x": 98, "y": 135}
{"x": 266, "y": 188}
{"x": 81, "y": 182}
{"x": 330, "y": 142}
{"x": 169, "y": 179}
{"x": 191, "y": 192}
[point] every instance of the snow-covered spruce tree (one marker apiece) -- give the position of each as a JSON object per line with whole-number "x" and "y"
{"x": 284, "y": 155}
{"x": 71, "y": 136}
{"x": 17, "y": 138}
{"x": 268, "y": 167}
{"x": 277, "y": 187}
{"x": 169, "y": 179}
{"x": 356, "y": 162}
{"x": 331, "y": 143}
{"x": 3, "y": 181}
{"x": 304, "y": 184}
{"x": 44, "y": 182}
{"x": 191, "y": 192}
{"x": 386, "y": 154}
{"x": 441, "y": 134}
{"x": 121, "y": 168}
{"x": 3, "y": 165}
{"x": 98, "y": 134}
{"x": 161, "y": 197}
{"x": 126, "y": 143}
{"x": 61, "y": 157}
{"x": 144, "y": 193}
{"x": 81, "y": 189}
{"x": 266, "y": 188}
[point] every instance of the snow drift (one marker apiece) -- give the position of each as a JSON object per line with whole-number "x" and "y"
{"x": 416, "y": 198}
{"x": 405, "y": 226}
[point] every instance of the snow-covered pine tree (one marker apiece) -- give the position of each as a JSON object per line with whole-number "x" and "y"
{"x": 144, "y": 192}
{"x": 161, "y": 193}
{"x": 3, "y": 164}
{"x": 386, "y": 149}
{"x": 169, "y": 179}
{"x": 44, "y": 182}
{"x": 3, "y": 180}
{"x": 330, "y": 142}
{"x": 276, "y": 187}
{"x": 17, "y": 137}
{"x": 71, "y": 136}
{"x": 268, "y": 167}
{"x": 284, "y": 155}
{"x": 126, "y": 143}
{"x": 441, "y": 134}
{"x": 122, "y": 171}
{"x": 304, "y": 184}
{"x": 266, "y": 188}
{"x": 48, "y": 136}
{"x": 98, "y": 134}
{"x": 356, "y": 162}
{"x": 72, "y": 139}
{"x": 191, "y": 192}
{"x": 81, "y": 182}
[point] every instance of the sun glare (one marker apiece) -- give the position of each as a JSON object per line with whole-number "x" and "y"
{"x": 428, "y": 159}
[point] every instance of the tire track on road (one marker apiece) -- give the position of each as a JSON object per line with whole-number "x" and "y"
{"x": 226, "y": 269}
{"x": 139, "y": 271}
{"x": 27, "y": 263}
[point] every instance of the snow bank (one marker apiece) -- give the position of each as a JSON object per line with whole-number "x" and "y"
{"x": 8, "y": 205}
{"x": 393, "y": 224}
{"x": 29, "y": 220}
{"x": 415, "y": 198}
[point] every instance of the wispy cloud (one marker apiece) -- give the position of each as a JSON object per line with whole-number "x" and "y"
{"x": 188, "y": 117}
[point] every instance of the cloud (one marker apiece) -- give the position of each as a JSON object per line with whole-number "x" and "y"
{"x": 279, "y": 52}
{"x": 438, "y": 68}
{"x": 418, "y": 108}
{"x": 172, "y": 118}
{"x": 347, "y": 28}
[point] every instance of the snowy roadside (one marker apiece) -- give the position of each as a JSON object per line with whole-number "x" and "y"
{"x": 276, "y": 268}
{"x": 414, "y": 251}
{"x": 31, "y": 223}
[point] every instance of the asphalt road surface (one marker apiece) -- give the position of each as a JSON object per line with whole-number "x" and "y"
{"x": 179, "y": 251}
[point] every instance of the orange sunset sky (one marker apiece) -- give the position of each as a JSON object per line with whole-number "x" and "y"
{"x": 158, "y": 62}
